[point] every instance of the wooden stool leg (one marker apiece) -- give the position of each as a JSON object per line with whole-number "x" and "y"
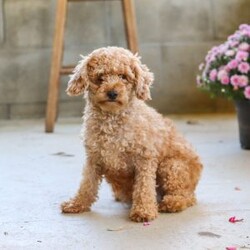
{"x": 130, "y": 25}
{"x": 54, "y": 84}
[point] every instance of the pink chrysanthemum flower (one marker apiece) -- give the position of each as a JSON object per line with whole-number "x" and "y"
{"x": 233, "y": 64}
{"x": 243, "y": 81}
{"x": 213, "y": 75}
{"x": 235, "y": 80}
{"x": 242, "y": 55}
{"x": 225, "y": 79}
{"x": 244, "y": 27}
{"x": 244, "y": 67}
{"x": 230, "y": 53}
{"x": 246, "y": 33}
{"x": 247, "y": 92}
{"x": 222, "y": 73}
{"x": 244, "y": 46}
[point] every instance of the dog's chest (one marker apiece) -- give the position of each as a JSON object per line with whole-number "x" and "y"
{"x": 109, "y": 145}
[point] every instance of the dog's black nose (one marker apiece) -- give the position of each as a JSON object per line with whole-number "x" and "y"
{"x": 112, "y": 94}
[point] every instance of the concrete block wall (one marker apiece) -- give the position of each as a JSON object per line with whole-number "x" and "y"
{"x": 174, "y": 36}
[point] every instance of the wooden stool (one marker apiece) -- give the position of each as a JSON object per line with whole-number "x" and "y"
{"x": 57, "y": 69}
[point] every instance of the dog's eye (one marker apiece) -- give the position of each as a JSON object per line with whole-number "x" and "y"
{"x": 99, "y": 80}
{"x": 123, "y": 77}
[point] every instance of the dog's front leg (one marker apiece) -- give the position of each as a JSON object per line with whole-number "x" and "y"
{"x": 144, "y": 205}
{"x": 87, "y": 193}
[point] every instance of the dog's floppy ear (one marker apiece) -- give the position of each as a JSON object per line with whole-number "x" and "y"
{"x": 79, "y": 81}
{"x": 143, "y": 79}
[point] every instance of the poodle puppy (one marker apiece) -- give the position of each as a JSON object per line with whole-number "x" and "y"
{"x": 139, "y": 152}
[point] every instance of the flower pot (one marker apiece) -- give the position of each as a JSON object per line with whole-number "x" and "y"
{"x": 243, "y": 114}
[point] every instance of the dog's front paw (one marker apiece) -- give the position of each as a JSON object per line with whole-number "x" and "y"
{"x": 142, "y": 215}
{"x": 73, "y": 206}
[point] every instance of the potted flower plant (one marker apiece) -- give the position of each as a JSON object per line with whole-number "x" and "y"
{"x": 226, "y": 73}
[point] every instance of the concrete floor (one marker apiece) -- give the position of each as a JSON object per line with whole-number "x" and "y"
{"x": 38, "y": 171}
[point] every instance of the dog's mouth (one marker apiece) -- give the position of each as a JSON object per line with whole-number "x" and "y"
{"x": 111, "y": 101}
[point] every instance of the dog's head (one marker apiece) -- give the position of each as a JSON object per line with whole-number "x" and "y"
{"x": 112, "y": 77}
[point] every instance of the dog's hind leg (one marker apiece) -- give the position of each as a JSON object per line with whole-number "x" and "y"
{"x": 178, "y": 179}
